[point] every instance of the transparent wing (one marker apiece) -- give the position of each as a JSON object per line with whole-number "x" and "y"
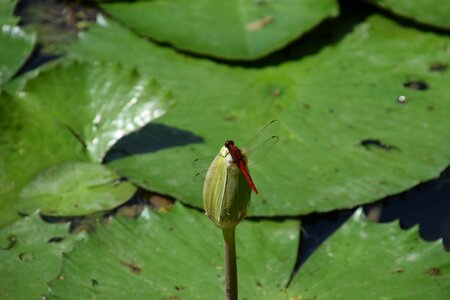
{"x": 262, "y": 143}
{"x": 200, "y": 167}
{"x": 264, "y": 134}
{"x": 258, "y": 153}
{"x": 255, "y": 150}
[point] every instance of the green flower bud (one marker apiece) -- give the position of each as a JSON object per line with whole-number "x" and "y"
{"x": 226, "y": 192}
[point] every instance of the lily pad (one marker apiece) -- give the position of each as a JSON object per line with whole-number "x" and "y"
{"x": 31, "y": 255}
{"x": 365, "y": 260}
{"x": 16, "y": 45}
{"x": 225, "y": 29}
{"x": 7, "y": 12}
{"x": 434, "y": 13}
{"x": 75, "y": 189}
{"x": 345, "y": 138}
{"x": 72, "y": 112}
{"x": 176, "y": 255}
{"x": 150, "y": 257}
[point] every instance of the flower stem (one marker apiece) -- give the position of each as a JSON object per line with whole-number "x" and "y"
{"x": 231, "y": 285}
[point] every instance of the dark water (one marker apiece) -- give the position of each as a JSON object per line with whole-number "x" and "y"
{"x": 426, "y": 205}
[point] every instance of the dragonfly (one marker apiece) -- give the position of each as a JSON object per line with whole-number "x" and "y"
{"x": 252, "y": 152}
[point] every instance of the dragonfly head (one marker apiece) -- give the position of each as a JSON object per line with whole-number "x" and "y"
{"x": 229, "y": 143}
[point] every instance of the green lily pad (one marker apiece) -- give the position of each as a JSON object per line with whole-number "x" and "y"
{"x": 31, "y": 254}
{"x": 176, "y": 255}
{"x": 15, "y": 44}
{"x": 434, "y": 13}
{"x": 225, "y": 29}
{"x": 7, "y": 12}
{"x": 151, "y": 257}
{"x": 345, "y": 138}
{"x": 72, "y": 112}
{"x": 75, "y": 189}
{"x": 365, "y": 260}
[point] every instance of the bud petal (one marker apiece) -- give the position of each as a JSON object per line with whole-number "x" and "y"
{"x": 226, "y": 192}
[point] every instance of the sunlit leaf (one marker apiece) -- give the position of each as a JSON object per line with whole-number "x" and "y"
{"x": 7, "y": 12}
{"x": 430, "y": 12}
{"x": 364, "y": 260}
{"x": 75, "y": 189}
{"x": 345, "y": 139}
{"x": 15, "y": 44}
{"x": 177, "y": 255}
{"x": 226, "y": 29}
{"x": 31, "y": 255}
{"x": 72, "y": 112}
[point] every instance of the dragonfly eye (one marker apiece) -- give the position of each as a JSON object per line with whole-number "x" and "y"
{"x": 229, "y": 143}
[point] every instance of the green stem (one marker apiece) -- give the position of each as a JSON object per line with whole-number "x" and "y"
{"x": 231, "y": 285}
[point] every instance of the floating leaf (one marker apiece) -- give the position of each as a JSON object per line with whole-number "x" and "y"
{"x": 7, "y": 12}
{"x": 435, "y": 13}
{"x": 226, "y": 29}
{"x": 177, "y": 255}
{"x": 71, "y": 112}
{"x": 75, "y": 189}
{"x": 345, "y": 139}
{"x": 15, "y": 44}
{"x": 15, "y": 47}
{"x": 150, "y": 257}
{"x": 31, "y": 255}
{"x": 364, "y": 260}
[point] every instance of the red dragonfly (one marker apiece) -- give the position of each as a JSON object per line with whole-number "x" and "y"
{"x": 253, "y": 151}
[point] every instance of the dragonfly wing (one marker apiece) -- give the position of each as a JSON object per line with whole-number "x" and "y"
{"x": 200, "y": 168}
{"x": 258, "y": 153}
{"x": 264, "y": 134}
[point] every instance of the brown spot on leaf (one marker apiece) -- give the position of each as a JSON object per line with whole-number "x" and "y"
{"x": 435, "y": 272}
{"x": 279, "y": 107}
{"x": 438, "y": 67}
{"x": 259, "y": 24}
{"x": 229, "y": 118}
{"x": 132, "y": 266}
{"x": 276, "y": 92}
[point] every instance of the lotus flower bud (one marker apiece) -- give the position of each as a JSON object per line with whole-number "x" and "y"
{"x": 226, "y": 192}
